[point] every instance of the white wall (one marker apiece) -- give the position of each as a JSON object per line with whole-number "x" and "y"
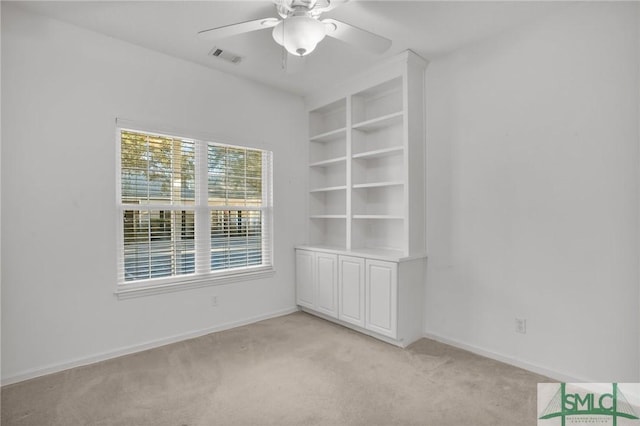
{"x": 532, "y": 192}
{"x": 0, "y": 196}
{"x": 532, "y": 150}
{"x": 62, "y": 89}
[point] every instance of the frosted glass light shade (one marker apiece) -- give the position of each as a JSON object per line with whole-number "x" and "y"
{"x": 299, "y": 34}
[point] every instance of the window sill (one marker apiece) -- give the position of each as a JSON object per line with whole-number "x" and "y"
{"x": 130, "y": 291}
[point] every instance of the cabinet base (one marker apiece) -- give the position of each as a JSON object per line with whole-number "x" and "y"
{"x": 396, "y": 342}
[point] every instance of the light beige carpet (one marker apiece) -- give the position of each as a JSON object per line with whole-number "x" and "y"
{"x": 292, "y": 370}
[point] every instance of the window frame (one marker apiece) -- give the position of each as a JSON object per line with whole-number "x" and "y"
{"x": 202, "y": 277}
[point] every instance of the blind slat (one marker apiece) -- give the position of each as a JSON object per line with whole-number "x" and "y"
{"x": 159, "y": 201}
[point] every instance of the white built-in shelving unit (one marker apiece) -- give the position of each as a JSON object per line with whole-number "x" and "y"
{"x": 364, "y": 262}
{"x": 366, "y": 162}
{"x": 328, "y": 164}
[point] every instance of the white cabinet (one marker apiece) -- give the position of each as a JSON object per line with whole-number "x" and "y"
{"x": 317, "y": 281}
{"x": 382, "y": 291}
{"x": 378, "y": 297}
{"x": 327, "y": 284}
{"x": 305, "y": 278}
{"x": 351, "y": 278}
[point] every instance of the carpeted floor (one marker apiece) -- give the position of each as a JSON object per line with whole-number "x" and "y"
{"x": 292, "y": 370}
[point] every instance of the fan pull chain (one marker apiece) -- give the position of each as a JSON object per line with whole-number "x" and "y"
{"x": 284, "y": 51}
{"x": 284, "y": 59}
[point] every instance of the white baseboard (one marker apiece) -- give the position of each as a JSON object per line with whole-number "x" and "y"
{"x": 552, "y": 374}
{"x": 78, "y": 362}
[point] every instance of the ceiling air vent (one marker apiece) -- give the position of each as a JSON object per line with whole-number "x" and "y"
{"x": 225, "y": 55}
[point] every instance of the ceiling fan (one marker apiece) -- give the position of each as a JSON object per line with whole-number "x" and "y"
{"x": 300, "y": 29}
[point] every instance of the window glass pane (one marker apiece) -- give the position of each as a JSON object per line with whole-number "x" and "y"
{"x": 235, "y": 176}
{"x": 156, "y": 169}
{"x": 158, "y": 243}
{"x": 236, "y": 239}
{"x": 254, "y": 192}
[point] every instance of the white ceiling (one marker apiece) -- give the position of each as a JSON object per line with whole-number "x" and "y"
{"x": 429, "y": 28}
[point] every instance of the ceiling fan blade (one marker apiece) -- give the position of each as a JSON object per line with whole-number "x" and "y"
{"x": 239, "y": 28}
{"x": 356, "y": 36}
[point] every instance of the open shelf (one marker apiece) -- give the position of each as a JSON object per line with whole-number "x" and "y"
{"x": 330, "y": 136}
{"x": 328, "y": 231}
{"x": 379, "y": 102}
{"x": 329, "y": 188}
{"x": 378, "y": 184}
{"x": 377, "y": 153}
{"x": 379, "y": 122}
{"x": 328, "y": 205}
{"x": 328, "y": 216}
{"x": 377, "y": 137}
{"x": 379, "y": 202}
{"x": 329, "y": 162}
{"x": 377, "y": 233}
{"x": 332, "y": 151}
{"x": 379, "y": 167}
{"x": 328, "y": 121}
{"x": 377, "y": 216}
{"x": 330, "y": 176}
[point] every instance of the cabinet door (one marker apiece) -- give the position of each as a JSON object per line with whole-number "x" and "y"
{"x": 381, "y": 291}
{"x": 327, "y": 284}
{"x": 305, "y": 287}
{"x": 351, "y": 290}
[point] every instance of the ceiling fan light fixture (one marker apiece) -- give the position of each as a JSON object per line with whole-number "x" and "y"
{"x": 299, "y": 34}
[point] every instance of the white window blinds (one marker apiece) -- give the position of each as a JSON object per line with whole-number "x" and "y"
{"x": 191, "y": 209}
{"x": 237, "y": 200}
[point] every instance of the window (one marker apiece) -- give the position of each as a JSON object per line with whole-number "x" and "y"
{"x": 191, "y": 211}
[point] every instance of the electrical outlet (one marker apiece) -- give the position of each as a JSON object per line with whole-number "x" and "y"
{"x": 521, "y": 325}
{"x": 214, "y": 301}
